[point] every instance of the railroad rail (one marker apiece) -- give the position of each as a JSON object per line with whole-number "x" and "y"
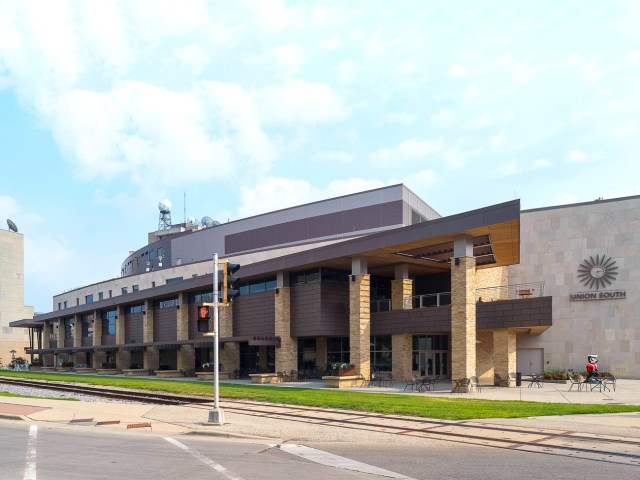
{"x": 595, "y": 447}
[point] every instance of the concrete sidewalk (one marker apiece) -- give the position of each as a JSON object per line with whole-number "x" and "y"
{"x": 172, "y": 420}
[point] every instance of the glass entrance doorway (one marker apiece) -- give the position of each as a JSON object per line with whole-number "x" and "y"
{"x": 431, "y": 355}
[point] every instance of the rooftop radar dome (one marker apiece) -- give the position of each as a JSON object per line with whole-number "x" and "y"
{"x": 12, "y": 226}
{"x": 164, "y": 205}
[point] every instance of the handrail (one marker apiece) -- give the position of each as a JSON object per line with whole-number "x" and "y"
{"x": 432, "y": 300}
{"x": 510, "y": 292}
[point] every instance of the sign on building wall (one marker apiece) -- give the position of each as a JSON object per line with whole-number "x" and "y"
{"x": 596, "y": 274}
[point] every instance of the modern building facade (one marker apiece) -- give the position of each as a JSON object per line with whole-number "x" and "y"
{"x": 377, "y": 279}
{"x": 12, "y": 341}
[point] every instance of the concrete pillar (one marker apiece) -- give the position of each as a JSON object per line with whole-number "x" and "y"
{"x": 287, "y": 352}
{"x": 77, "y": 330}
{"x": 463, "y": 309}
{"x": 182, "y": 318}
{"x": 151, "y": 359}
{"x": 229, "y": 351}
{"x": 47, "y": 358}
{"x": 186, "y": 357}
{"x": 147, "y": 322}
{"x": 504, "y": 352}
{"x": 123, "y": 357}
{"x": 401, "y": 288}
{"x": 360, "y": 323}
{"x": 401, "y": 352}
{"x": 321, "y": 352}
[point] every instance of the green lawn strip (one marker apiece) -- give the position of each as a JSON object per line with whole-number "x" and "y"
{"x": 7, "y": 394}
{"x": 422, "y": 406}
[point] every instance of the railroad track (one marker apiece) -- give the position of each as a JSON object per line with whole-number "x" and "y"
{"x": 595, "y": 447}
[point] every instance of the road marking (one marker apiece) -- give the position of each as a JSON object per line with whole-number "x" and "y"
{"x": 30, "y": 467}
{"x": 207, "y": 461}
{"x": 331, "y": 460}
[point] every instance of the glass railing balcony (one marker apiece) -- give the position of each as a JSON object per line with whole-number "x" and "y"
{"x": 510, "y": 292}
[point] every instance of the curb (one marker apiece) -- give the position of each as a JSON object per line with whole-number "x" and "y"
{"x": 7, "y": 416}
{"x": 242, "y": 436}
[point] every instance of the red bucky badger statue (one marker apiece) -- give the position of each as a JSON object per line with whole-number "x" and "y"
{"x": 592, "y": 367}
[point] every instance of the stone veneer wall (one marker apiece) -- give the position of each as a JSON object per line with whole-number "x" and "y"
{"x": 484, "y": 357}
{"x": 401, "y": 348}
{"x": 360, "y": 323}
{"x": 463, "y": 318}
{"x": 287, "y": 352}
{"x": 554, "y": 242}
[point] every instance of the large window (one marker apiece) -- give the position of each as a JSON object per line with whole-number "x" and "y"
{"x": 306, "y": 353}
{"x": 109, "y": 318}
{"x": 88, "y": 298}
{"x": 337, "y": 350}
{"x": 168, "y": 303}
{"x": 87, "y": 324}
{"x": 68, "y": 327}
{"x": 257, "y": 286}
{"x": 431, "y": 354}
{"x": 201, "y": 297}
{"x": 381, "y": 353}
{"x": 135, "y": 308}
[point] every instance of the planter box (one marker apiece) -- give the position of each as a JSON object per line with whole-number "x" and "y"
{"x": 340, "y": 381}
{"x": 343, "y": 372}
{"x": 264, "y": 378}
{"x": 209, "y": 375}
{"x": 64, "y": 369}
{"x": 132, "y": 372}
{"x": 85, "y": 370}
{"x": 108, "y": 371}
{"x": 544, "y": 380}
{"x": 37, "y": 368}
{"x": 48, "y": 369}
{"x": 169, "y": 373}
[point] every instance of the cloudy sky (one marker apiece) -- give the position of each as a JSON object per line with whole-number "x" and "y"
{"x": 249, "y": 106}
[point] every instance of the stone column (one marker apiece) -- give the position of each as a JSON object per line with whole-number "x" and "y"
{"x": 504, "y": 352}
{"x": 401, "y": 288}
{"x": 287, "y": 352}
{"x": 78, "y": 357}
{"x": 360, "y": 321}
{"x": 401, "y": 353}
{"x": 229, "y": 351}
{"x": 186, "y": 353}
{"x": 151, "y": 357}
{"x": 321, "y": 352}
{"x": 123, "y": 357}
{"x": 463, "y": 309}
{"x": 47, "y": 358}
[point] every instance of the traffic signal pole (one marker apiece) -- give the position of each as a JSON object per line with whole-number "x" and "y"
{"x": 216, "y": 416}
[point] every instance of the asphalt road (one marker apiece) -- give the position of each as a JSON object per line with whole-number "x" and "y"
{"x": 52, "y": 452}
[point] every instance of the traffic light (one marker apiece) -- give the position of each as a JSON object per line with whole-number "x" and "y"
{"x": 204, "y": 312}
{"x": 229, "y": 290}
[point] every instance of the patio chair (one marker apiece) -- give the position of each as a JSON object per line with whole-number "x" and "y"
{"x": 578, "y": 380}
{"x": 361, "y": 381}
{"x": 282, "y": 377}
{"x": 474, "y": 384}
{"x": 513, "y": 379}
{"x": 410, "y": 383}
{"x": 424, "y": 384}
{"x": 610, "y": 380}
{"x": 498, "y": 381}
{"x": 461, "y": 386}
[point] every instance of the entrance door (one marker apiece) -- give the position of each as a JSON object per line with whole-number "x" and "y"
{"x": 530, "y": 360}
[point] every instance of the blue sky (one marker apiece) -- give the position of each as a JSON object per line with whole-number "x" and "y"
{"x": 251, "y": 106}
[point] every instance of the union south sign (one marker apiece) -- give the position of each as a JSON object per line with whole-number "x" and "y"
{"x": 596, "y": 273}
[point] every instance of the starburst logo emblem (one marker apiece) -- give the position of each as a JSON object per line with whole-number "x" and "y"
{"x": 598, "y": 272}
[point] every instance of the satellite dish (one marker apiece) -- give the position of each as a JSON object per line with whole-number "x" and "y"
{"x": 164, "y": 205}
{"x": 192, "y": 221}
{"x": 12, "y": 226}
{"x": 207, "y": 221}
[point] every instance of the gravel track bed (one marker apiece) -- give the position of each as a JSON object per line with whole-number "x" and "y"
{"x": 42, "y": 392}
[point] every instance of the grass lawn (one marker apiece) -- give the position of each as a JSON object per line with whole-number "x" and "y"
{"x": 421, "y": 406}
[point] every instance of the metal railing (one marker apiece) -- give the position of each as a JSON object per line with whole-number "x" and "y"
{"x": 383, "y": 305}
{"x": 431, "y": 300}
{"x": 510, "y": 292}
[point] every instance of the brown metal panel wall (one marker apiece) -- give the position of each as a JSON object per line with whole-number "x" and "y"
{"x": 68, "y": 342}
{"x": 133, "y": 327}
{"x": 108, "y": 340}
{"x": 528, "y": 312}
{"x": 193, "y": 321}
{"x": 165, "y": 324}
{"x": 418, "y": 320}
{"x": 254, "y": 314}
{"x": 87, "y": 341}
{"x": 319, "y": 310}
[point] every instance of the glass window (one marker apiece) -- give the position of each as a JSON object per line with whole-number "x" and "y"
{"x": 337, "y": 350}
{"x": 135, "y": 308}
{"x": 134, "y": 288}
{"x": 168, "y": 303}
{"x": 174, "y": 280}
{"x": 100, "y": 295}
{"x": 124, "y": 290}
{"x": 59, "y": 305}
{"x": 64, "y": 304}
{"x": 203, "y": 326}
{"x": 68, "y": 327}
{"x": 381, "y": 353}
{"x": 160, "y": 252}
{"x": 88, "y": 298}
{"x": 152, "y": 254}
{"x": 109, "y": 318}
{"x": 87, "y": 324}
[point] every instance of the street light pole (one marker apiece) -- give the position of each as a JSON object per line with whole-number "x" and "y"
{"x": 216, "y": 416}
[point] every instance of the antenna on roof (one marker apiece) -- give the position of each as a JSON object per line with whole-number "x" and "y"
{"x": 164, "y": 223}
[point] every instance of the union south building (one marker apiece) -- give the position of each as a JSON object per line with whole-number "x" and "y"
{"x": 377, "y": 279}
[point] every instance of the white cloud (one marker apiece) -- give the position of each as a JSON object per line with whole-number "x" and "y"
{"x": 407, "y": 68}
{"x": 576, "y": 156}
{"x": 333, "y": 157}
{"x": 497, "y": 140}
{"x": 399, "y": 117}
{"x": 470, "y": 94}
{"x": 345, "y": 70}
{"x": 421, "y": 179}
{"x": 192, "y": 56}
{"x": 633, "y": 57}
{"x": 350, "y": 185}
{"x": 301, "y": 102}
{"x": 407, "y": 151}
{"x": 541, "y": 163}
{"x": 458, "y": 71}
{"x": 287, "y": 59}
{"x": 483, "y": 121}
{"x": 443, "y": 118}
